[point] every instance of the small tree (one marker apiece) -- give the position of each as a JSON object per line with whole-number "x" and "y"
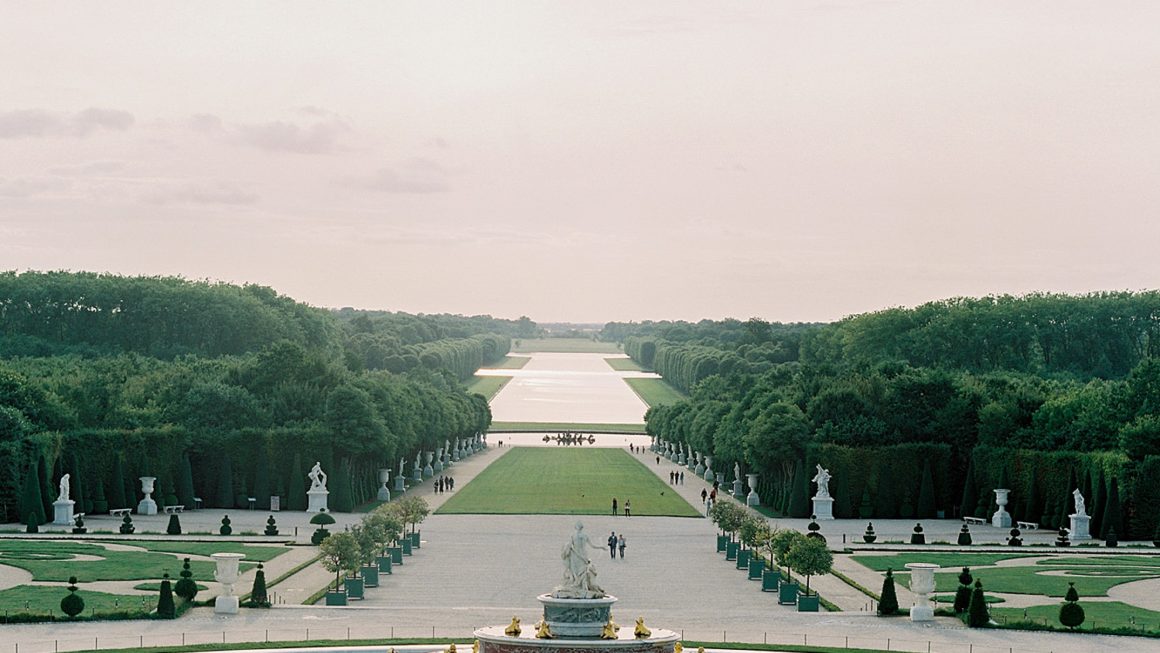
{"x": 809, "y": 557}
{"x": 963, "y": 593}
{"x": 72, "y": 604}
{"x": 411, "y": 510}
{"x": 258, "y": 596}
{"x": 341, "y": 554}
{"x": 977, "y": 613}
{"x": 1071, "y": 613}
{"x": 321, "y": 520}
{"x": 781, "y": 542}
{"x": 728, "y": 516}
{"x": 750, "y": 531}
{"x": 174, "y": 527}
{"x": 166, "y": 608}
{"x": 33, "y": 523}
{"x": 888, "y": 602}
{"x": 383, "y": 528}
{"x": 185, "y": 587}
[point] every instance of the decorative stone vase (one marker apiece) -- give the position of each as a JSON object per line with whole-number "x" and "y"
{"x": 429, "y": 471}
{"x": 709, "y": 469}
{"x": 752, "y": 499}
{"x": 370, "y": 575}
{"x": 1001, "y": 518}
{"x": 438, "y": 466}
{"x": 922, "y": 584}
{"x": 384, "y": 491}
{"x": 770, "y": 579}
{"x": 743, "y": 558}
{"x": 756, "y": 567}
{"x": 226, "y": 572}
{"x": 787, "y": 593}
{"x": 808, "y": 603}
{"x": 400, "y": 484}
{"x": 335, "y": 598}
{"x": 147, "y": 506}
{"x": 354, "y": 588}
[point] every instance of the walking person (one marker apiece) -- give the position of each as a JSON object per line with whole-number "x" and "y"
{"x": 704, "y": 495}
{"x": 620, "y": 542}
{"x": 613, "y": 506}
{"x": 612, "y": 545}
{"x": 682, "y": 478}
{"x": 628, "y": 507}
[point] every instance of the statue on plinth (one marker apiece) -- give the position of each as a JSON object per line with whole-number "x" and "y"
{"x": 1080, "y": 506}
{"x": 317, "y": 477}
{"x": 64, "y": 488}
{"x": 823, "y": 481}
{"x": 579, "y": 573}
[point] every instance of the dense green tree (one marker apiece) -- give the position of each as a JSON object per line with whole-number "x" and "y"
{"x": 166, "y": 608}
{"x": 926, "y": 502}
{"x": 31, "y": 501}
{"x": 978, "y": 615}
{"x": 888, "y": 601}
{"x": 799, "y": 503}
{"x": 225, "y": 486}
{"x": 1113, "y": 513}
{"x": 297, "y": 485}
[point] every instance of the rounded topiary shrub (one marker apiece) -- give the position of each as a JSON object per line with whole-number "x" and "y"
{"x": 72, "y": 604}
{"x": 965, "y": 536}
{"x": 79, "y": 526}
{"x": 888, "y": 603}
{"x": 127, "y": 526}
{"x": 174, "y": 527}
{"x": 271, "y": 526}
{"x": 814, "y": 529}
{"x": 868, "y": 537}
{"x": 1062, "y": 538}
{"x": 918, "y": 537}
{"x": 185, "y": 587}
{"x": 1015, "y": 540}
{"x": 963, "y": 593}
{"x": 225, "y": 529}
{"x": 1071, "y": 613}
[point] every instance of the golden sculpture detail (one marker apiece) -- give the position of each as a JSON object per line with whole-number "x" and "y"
{"x": 610, "y": 629}
{"x": 542, "y": 630}
{"x": 475, "y": 646}
{"x": 513, "y": 630}
{"x": 700, "y": 649}
{"x": 678, "y": 647}
{"x": 450, "y": 649}
{"x": 641, "y": 631}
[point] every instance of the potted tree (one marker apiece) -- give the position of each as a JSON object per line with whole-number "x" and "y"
{"x": 781, "y": 543}
{"x": 340, "y": 555}
{"x": 384, "y": 528}
{"x": 754, "y": 532}
{"x": 729, "y": 517}
{"x": 367, "y": 574}
{"x": 770, "y": 575}
{"x": 809, "y": 557}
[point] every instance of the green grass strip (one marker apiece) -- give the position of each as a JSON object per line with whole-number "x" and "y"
{"x": 655, "y": 392}
{"x": 566, "y": 481}
{"x": 510, "y": 363}
{"x": 623, "y": 365}
{"x": 488, "y": 386}
{"x": 555, "y": 427}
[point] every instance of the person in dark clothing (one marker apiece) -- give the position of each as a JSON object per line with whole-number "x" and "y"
{"x": 613, "y": 506}
{"x": 704, "y": 495}
{"x": 612, "y": 541}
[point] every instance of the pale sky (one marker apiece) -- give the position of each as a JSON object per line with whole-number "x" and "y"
{"x": 588, "y": 161}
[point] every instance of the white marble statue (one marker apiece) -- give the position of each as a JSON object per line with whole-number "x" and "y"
{"x": 1080, "y": 506}
{"x": 317, "y": 477}
{"x": 400, "y": 467}
{"x": 736, "y": 471}
{"x": 64, "y": 488}
{"x": 823, "y": 481}
{"x": 579, "y": 574}
{"x": 419, "y": 460}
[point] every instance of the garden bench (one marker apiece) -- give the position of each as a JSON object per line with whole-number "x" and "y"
{"x": 197, "y": 503}
{"x": 975, "y": 520}
{"x": 120, "y": 512}
{"x": 1028, "y": 525}
{"x": 169, "y": 510}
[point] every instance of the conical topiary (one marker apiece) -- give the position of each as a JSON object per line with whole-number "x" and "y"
{"x": 72, "y": 604}
{"x": 977, "y": 614}
{"x": 31, "y": 501}
{"x": 32, "y": 523}
{"x": 226, "y": 529}
{"x": 1156, "y": 536}
{"x": 926, "y": 501}
{"x": 1071, "y": 613}
{"x": 174, "y": 527}
{"x": 127, "y": 526}
{"x": 166, "y": 608}
{"x": 799, "y": 500}
{"x": 1111, "y": 539}
{"x": 271, "y": 526}
{"x": 965, "y": 536}
{"x": 258, "y": 596}
{"x": 866, "y": 508}
{"x": 888, "y": 603}
{"x": 185, "y": 587}
{"x": 1112, "y": 512}
{"x": 963, "y": 593}
{"x": 970, "y": 497}
{"x": 918, "y": 537}
{"x": 869, "y": 536}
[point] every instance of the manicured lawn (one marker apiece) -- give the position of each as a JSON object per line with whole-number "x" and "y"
{"x": 623, "y": 365}
{"x": 41, "y": 599}
{"x": 488, "y": 386}
{"x": 554, "y": 427}
{"x": 564, "y": 346}
{"x": 56, "y": 561}
{"x": 566, "y": 481}
{"x": 655, "y": 392}
{"x": 957, "y": 561}
{"x": 1102, "y": 614}
{"x": 253, "y": 553}
{"x": 509, "y": 363}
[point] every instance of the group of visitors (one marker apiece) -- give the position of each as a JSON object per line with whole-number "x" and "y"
{"x": 616, "y": 542}
{"x": 627, "y": 507}
{"x": 676, "y": 478}
{"x": 444, "y": 484}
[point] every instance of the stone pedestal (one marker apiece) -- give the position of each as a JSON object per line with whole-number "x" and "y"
{"x": 699, "y": 470}
{"x": 824, "y": 508}
{"x": 738, "y": 490}
{"x": 576, "y": 617}
{"x": 227, "y": 574}
{"x": 317, "y": 500}
{"x": 1001, "y": 518}
{"x": 720, "y": 480}
{"x": 455, "y": 455}
{"x": 417, "y": 475}
{"x": 147, "y": 506}
{"x": 63, "y": 512}
{"x": 438, "y": 466}
{"x": 752, "y": 499}
{"x": 922, "y": 584}
{"x": 428, "y": 471}
{"x": 1081, "y": 528}
{"x": 400, "y": 484}
{"x": 681, "y": 458}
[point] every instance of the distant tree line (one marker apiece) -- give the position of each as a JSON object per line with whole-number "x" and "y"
{"x": 1045, "y": 388}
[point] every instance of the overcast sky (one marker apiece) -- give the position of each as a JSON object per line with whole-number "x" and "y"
{"x": 588, "y": 161}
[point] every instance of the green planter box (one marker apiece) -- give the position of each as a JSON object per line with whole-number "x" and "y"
{"x": 354, "y": 588}
{"x": 808, "y": 603}
{"x": 385, "y": 563}
{"x": 722, "y": 542}
{"x": 415, "y": 540}
{"x": 756, "y": 567}
{"x": 336, "y": 598}
{"x": 787, "y": 593}
{"x": 731, "y": 551}
{"x": 406, "y": 542}
{"x": 396, "y": 554}
{"x": 370, "y": 575}
{"x": 743, "y": 558}
{"x": 770, "y": 579}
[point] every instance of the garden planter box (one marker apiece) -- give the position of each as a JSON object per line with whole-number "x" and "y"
{"x": 396, "y": 554}
{"x": 722, "y": 542}
{"x": 406, "y": 542}
{"x": 385, "y": 563}
{"x": 370, "y": 575}
{"x": 743, "y": 558}
{"x": 336, "y": 598}
{"x": 354, "y": 588}
{"x": 415, "y": 540}
{"x": 731, "y": 551}
{"x": 787, "y": 593}
{"x": 756, "y": 567}
{"x": 770, "y": 579}
{"x": 808, "y": 603}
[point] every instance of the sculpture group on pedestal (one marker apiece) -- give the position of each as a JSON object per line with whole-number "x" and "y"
{"x": 579, "y": 572}
{"x": 63, "y": 506}
{"x": 317, "y": 496}
{"x": 1080, "y": 521}
{"x": 823, "y": 503}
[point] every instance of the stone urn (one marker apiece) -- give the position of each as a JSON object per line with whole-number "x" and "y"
{"x": 922, "y": 584}
{"x": 709, "y": 476}
{"x": 384, "y": 491}
{"x": 227, "y": 574}
{"x": 1001, "y": 518}
{"x": 752, "y": 499}
{"x": 147, "y": 506}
